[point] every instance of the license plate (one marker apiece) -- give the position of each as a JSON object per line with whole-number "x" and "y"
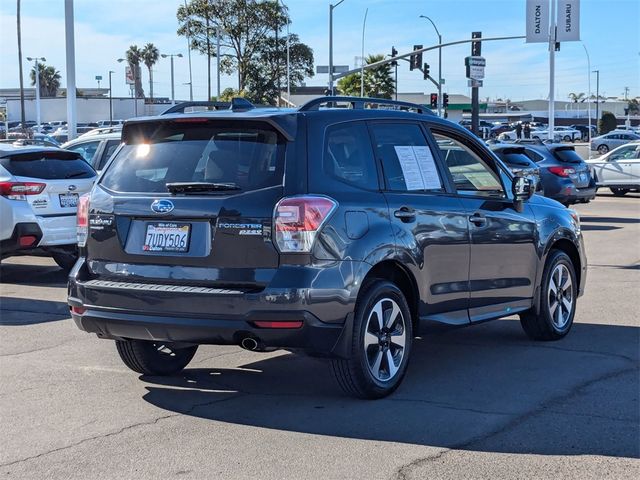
{"x": 68, "y": 200}
{"x": 167, "y": 237}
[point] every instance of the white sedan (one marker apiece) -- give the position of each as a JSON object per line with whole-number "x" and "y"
{"x": 619, "y": 169}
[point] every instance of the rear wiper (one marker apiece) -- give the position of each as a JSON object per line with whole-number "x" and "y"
{"x": 197, "y": 187}
{"x": 75, "y": 174}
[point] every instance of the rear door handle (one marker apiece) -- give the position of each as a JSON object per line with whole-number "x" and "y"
{"x": 478, "y": 219}
{"x": 405, "y": 214}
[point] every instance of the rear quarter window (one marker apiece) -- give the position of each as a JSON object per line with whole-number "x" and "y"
{"x": 348, "y": 155}
{"x": 47, "y": 166}
{"x": 568, "y": 155}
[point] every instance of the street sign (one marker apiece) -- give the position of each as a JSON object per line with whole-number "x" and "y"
{"x": 336, "y": 68}
{"x": 475, "y": 67}
{"x": 474, "y": 83}
{"x": 98, "y": 77}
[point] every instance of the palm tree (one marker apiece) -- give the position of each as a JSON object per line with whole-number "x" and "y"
{"x": 49, "y": 80}
{"x": 378, "y": 82}
{"x": 134, "y": 56}
{"x": 150, "y": 54}
{"x": 577, "y": 97}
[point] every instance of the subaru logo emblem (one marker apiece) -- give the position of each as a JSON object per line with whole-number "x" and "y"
{"x": 72, "y": 188}
{"x": 162, "y": 206}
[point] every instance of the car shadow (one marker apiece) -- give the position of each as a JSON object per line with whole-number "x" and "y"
{"x": 591, "y": 219}
{"x": 27, "y": 311}
{"x": 32, "y": 274}
{"x": 486, "y": 388}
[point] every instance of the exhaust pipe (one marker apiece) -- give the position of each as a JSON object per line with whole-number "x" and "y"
{"x": 249, "y": 343}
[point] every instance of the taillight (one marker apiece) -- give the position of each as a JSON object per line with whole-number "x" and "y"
{"x": 297, "y": 220}
{"x": 562, "y": 171}
{"x": 20, "y": 190}
{"x": 83, "y": 220}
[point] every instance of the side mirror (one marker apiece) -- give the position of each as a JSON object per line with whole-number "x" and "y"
{"x": 522, "y": 189}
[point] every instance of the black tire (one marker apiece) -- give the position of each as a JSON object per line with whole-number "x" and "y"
{"x": 602, "y": 149}
{"x": 545, "y": 324}
{"x": 154, "y": 358}
{"x": 619, "y": 192}
{"x": 66, "y": 259}
{"x": 355, "y": 374}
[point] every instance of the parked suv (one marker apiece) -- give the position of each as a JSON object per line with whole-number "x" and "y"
{"x": 333, "y": 231}
{"x": 39, "y": 191}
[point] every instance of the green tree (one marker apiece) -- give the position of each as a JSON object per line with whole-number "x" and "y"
{"x": 49, "y": 79}
{"x": 607, "y": 123}
{"x": 247, "y": 32}
{"x": 228, "y": 93}
{"x": 150, "y": 55}
{"x": 634, "y": 106}
{"x": 577, "y": 97}
{"x": 378, "y": 81}
{"x": 134, "y": 57}
{"x": 267, "y": 71}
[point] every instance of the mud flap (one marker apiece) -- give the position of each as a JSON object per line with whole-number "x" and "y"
{"x": 342, "y": 347}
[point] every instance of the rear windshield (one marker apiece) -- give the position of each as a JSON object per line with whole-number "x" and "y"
{"x": 516, "y": 159}
{"x": 247, "y": 154}
{"x": 48, "y": 166}
{"x": 567, "y": 155}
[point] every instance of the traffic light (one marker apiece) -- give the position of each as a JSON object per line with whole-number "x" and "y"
{"x": 434, "y": 100}
{"x": 445, "y": 100}
{"x": 476, "y": 47}
{"x": 425, "y": 71}
{"x": 394, "y": 52}
{"x": 416, "y": 59}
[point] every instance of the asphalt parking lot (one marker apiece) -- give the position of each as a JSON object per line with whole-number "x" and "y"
{"x": 478, "y": 402}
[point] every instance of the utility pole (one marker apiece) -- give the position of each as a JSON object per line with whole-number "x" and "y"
{"x": 189, "y": 53}
{"x": 364, "y": 24}
{"x": 476, "y": 51}
{"x": 173, "y": 90}
{"x": 331, "y": 8}
{"x": 552, "y": 70}
{"x": 36, "y": 69}
{"x": 217, "y": 65}
{"x": 110, "y": 100}
{"x": 206, "y": 19}
{"x": 19, "y": 30}
{"x": 626, "y": 93}
{"x": 597, "y": 72}
{"x": 71, "y": 68}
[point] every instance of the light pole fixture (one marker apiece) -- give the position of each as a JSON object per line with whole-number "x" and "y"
{"x": 171, "y": 55}
{"x": 331, "y": 8}
{"x": 439, "y": 64}
{"x": 37, "y": 72}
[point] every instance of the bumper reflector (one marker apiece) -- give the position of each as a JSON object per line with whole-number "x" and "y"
{"x": 27, "y": 240}
{"x": 78, "y": 310}
{"x": 266, "y": 324}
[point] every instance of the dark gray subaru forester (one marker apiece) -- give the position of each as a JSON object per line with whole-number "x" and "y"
{"x": 333, "y": 229}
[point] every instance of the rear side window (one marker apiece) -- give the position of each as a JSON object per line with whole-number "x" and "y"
{"x": 407, "y": 160}
{"x": 86, "y": 149}
{"x": 241, "y": 153}
{"x": 48, "y": 166}
{"x": 533, "y": 155}
{"x": 513, "y": 157}
{"x": 348, "y": 155}
{"x": 109, "y": 148}
{"x": 568, "y": 155}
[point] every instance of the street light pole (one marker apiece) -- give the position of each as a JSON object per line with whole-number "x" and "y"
{"x": 597, "y": 72}
{"x": 331, "y": 8}
{"x": 439, "y": 64}
{"x": 288, "y": 56}
{"x": 217, "y": 64}
{"x": 173, "y": 90}
{"x": 110, "y": 100}
{"x": 364, "y": 23}
{"x": 589, "y": 91}
{"x": 37, "y": 72}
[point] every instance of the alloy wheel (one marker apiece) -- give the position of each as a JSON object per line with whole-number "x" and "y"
{"x": 385, "y": 339}
{"x": 560, "y": 296}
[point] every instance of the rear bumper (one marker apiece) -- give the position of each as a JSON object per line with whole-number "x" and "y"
{"x": 203, "y": 315}
{"x": 11, "y": 245}
{"x": 565, "y": 191}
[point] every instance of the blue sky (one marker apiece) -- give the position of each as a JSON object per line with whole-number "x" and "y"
{"x": 515, "y": 70}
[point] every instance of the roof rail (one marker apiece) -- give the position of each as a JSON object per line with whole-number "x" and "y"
{"x": 358, "y": 103}
{"x": 181, "y": 107}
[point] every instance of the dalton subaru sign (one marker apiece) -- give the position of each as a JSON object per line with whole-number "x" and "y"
{"x": 538, "y": 21}
{"x": 568, "y": 21}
